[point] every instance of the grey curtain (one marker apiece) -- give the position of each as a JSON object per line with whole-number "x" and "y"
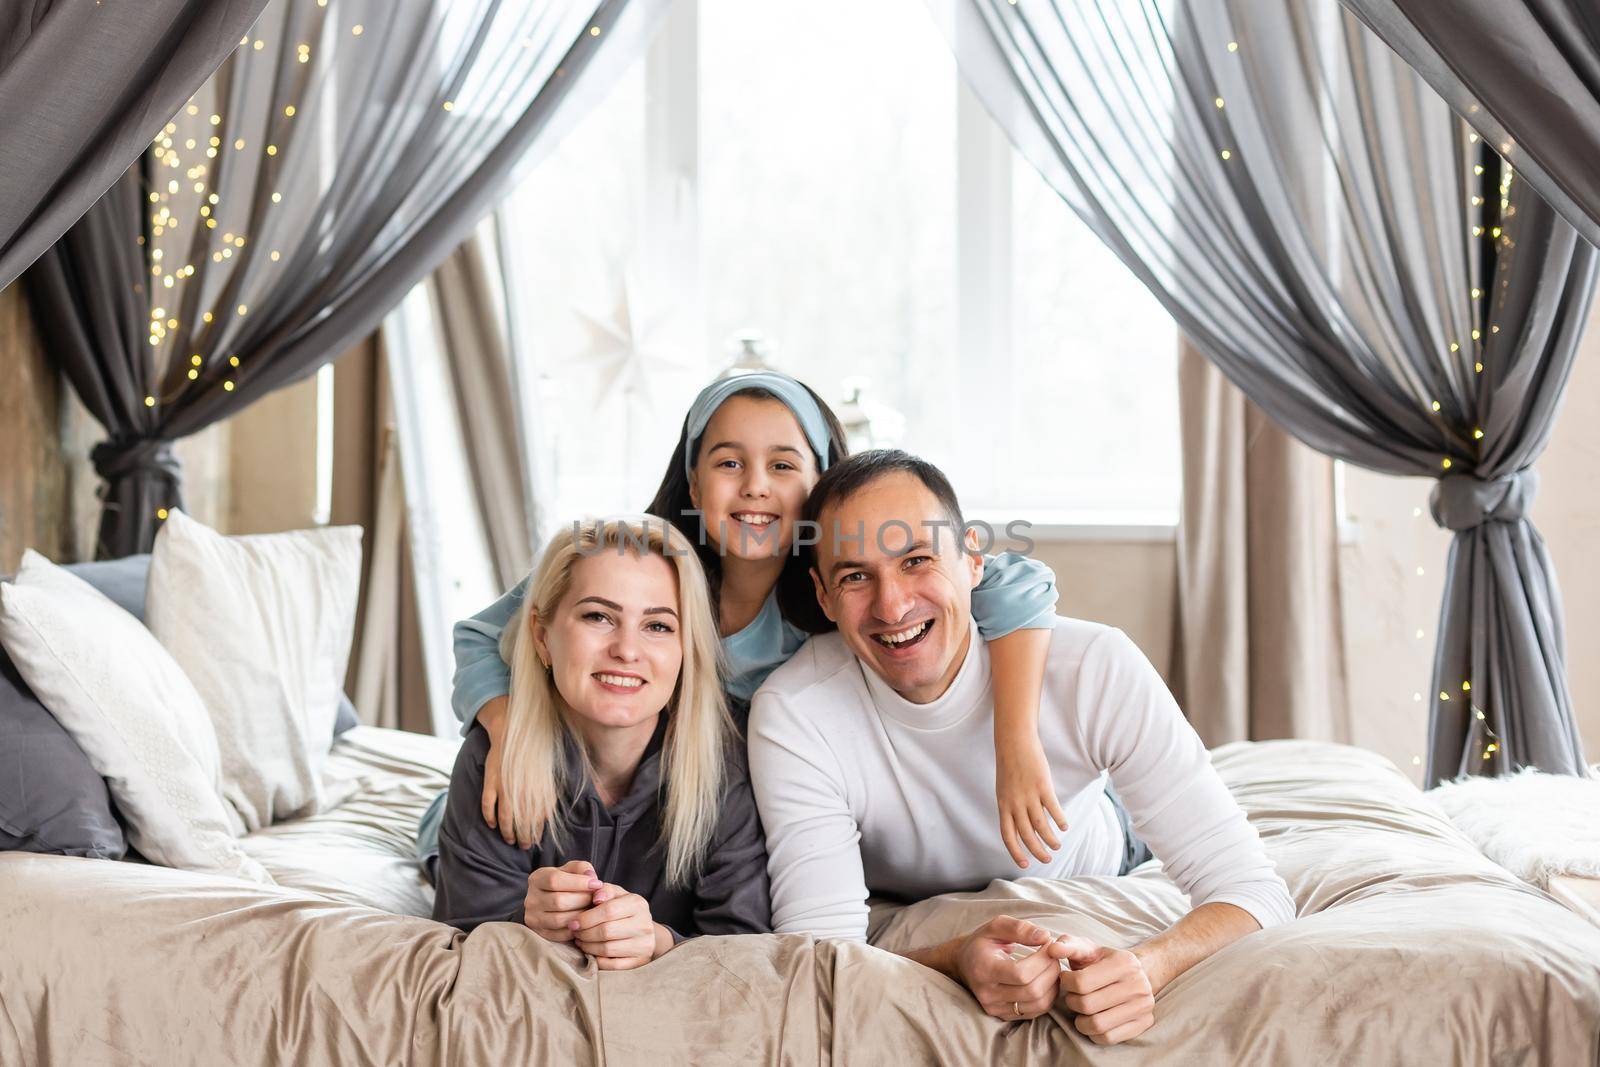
{"x": 468, "y": 313}
{"x": 1260, "y": 645}
{"x": 1330, "y": 235}
{"x": 1525, "y": 73}
{"x": 337, "y": 156}
{"x": 83, "y": 89}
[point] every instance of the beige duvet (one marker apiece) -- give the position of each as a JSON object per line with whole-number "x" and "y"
{"x": 1411, "y": 948}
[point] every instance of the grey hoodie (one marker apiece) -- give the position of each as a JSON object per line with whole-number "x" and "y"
{"x": 479, "y": 878}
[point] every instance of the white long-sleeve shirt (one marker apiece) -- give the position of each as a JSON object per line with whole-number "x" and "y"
{"x": 861, "y": 790}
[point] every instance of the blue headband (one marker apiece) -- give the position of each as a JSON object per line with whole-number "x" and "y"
{"x": 796, "y": 397}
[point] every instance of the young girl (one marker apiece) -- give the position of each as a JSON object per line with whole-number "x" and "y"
{"x": 619, "y": 763}
{"x": 752, "y": 447}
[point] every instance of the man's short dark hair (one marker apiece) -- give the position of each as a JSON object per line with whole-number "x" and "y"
{"x": 850, "y": 476}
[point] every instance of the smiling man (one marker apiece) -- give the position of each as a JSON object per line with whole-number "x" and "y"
{"x": 870, "y": 754}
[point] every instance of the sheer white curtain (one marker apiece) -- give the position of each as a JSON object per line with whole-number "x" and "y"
{"x": 450, "y": 559}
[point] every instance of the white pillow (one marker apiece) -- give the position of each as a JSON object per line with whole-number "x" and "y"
{"x": 262, "y": 626}
{"x": 112, "y": 686}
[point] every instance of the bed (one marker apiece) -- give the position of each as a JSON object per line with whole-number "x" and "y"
{"x": 1412, "y": 948}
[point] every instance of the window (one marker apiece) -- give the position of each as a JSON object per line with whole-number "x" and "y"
{"x": 816, "y": 173}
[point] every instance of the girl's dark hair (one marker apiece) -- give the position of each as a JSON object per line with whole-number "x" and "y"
{"x": 797, "y": 597}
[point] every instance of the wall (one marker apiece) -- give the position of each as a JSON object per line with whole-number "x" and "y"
{"x": 273, "y": 462}
{"x": 1132, "y": 585}
{"x": 33, "y": 481}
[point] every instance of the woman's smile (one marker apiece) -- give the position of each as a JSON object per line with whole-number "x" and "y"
{"x": 619, "y": 681}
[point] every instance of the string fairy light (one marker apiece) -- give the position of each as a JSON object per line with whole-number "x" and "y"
{"x": 186, "y": 174}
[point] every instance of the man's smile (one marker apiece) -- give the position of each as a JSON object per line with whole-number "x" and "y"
{"x": 902, "y": 640}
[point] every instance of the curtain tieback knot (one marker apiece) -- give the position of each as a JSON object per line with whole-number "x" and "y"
{"x": 1466, "y": 501}
{"x": 122, "y": 457}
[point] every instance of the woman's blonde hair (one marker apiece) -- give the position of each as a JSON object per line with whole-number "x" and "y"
{"x": 536, "y": 770}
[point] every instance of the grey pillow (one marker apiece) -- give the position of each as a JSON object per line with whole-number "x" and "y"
{"x": 347, "y": 719}
{"x": 51, "y": 799}
{"x": 121, "y": 580}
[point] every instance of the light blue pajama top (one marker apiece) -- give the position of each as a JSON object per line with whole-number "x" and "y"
{"x": 1016, "y": 593}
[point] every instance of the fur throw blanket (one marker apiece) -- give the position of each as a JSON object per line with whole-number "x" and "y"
{"x": 1535, "y": 825}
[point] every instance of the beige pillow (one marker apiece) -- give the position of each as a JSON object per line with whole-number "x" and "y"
{"x": 262, "y": 626}
{"x": 131, "y": 709}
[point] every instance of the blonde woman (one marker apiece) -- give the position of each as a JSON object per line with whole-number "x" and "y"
{"x": 621, "y": 762}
